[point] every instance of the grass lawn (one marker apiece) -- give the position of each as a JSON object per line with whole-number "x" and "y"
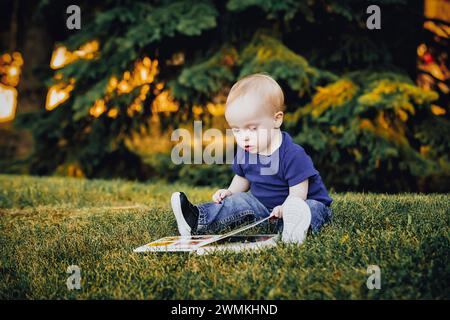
{"x": 47, "y": 224}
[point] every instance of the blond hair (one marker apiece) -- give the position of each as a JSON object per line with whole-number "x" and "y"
{"x": 261, "y": 85}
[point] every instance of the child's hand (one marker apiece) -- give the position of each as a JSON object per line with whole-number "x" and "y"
{"x": 277, "y": 212}
{"x": 220, "y": 195}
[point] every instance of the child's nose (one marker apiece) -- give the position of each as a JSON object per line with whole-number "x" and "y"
{"x": 247, "y": 134}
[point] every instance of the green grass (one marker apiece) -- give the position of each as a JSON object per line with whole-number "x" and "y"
{"x": 47, "y": 224}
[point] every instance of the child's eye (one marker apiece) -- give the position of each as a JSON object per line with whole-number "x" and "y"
{"x": 235, "y": 130}
{"x": 252, "y": 128}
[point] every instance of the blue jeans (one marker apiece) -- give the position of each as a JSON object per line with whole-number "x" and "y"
{"x": 244, "y": 207}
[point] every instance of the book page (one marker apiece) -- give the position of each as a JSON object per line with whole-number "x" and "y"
{"x": 233, "y": 232}
{"x": 191, "y": 243}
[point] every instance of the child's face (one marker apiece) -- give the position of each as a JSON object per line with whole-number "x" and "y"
{"x": 254, "y": 127}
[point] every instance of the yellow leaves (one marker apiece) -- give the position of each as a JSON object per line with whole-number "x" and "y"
{"x": 382, "y": 121}
{"x": 264, "y": 54}
{"x": 421, "y": 49}
{"x": 58, "y": 94}
{"x": 216, "y": 109}
{"x": 391, "y": 130}
{"x": 88, "y": 50}
{"x": 75, "y": 171}
{"x": 424, "y": 150}
{"x": 137, "y": 105}
{"x": 112, "y": 84}
{"x": 164, "y": 102}
{"x": 144, "y": 90}
{"x": 71, "y": 170}
{"x": 377, "y": 163}
{"x": 375, "y": 96}
{"x": 366, "y": 124}
{"x": 356, "y": 153}
{"x": 437, "y": 72}
{"x": 344, "y": 238}
{"x": 11, "y": 68}
{"x": 148, "y": 139}
{"x": 370, "y": 98}
{"x": 177, "y": 59}
{"x": 98, "y": 108}
{"x": 142, "y": 75}
{"x": 333, "y": 95}
{"x": 197, "y": 109}
{"x": 62, "y": 57}
{"x": 113, "y": 112}
{"x": 144, "y": 72}
{"x": 384, "y": 110}
{"x": 337, "y": 130}
{"x": 402, "y": 115}
{"x": 8, "y": 103}
{"x": 441, "y": 30}
{"x": 405, "y": 94}
{"x": 229, "y": 60}
{"x": 436, "y": 110}
{"x": 10, "y": 71}
{"x": 399, "y": 97}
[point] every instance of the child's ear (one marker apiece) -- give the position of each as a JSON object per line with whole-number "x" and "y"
{"x": 278, "y": 119}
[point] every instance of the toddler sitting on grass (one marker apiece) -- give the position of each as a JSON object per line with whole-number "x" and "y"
{"x": 273, "y": 175}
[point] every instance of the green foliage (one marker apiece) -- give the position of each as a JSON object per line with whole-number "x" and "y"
{"x": 206, "y": 175}
{"x": 47, "y": 224}
{"x": 288, "y": 9}
{"x": 263, "y": 53}
{"x": 268, "y": 54}
{"x": 368, "y": 124}
{"x": 125, "y": 32}
{"x": 194, "y": 174}
{"x": 204, "y": 78}
{"x": 355, "y": 141}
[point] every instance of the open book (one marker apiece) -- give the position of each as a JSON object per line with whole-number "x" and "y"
{"x": 202, "y": 244}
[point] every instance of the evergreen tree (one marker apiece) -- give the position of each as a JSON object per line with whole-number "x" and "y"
{"x": 358, "y": 120}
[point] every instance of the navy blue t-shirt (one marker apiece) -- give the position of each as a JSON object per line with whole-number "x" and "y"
{"x": 271, "y": 176}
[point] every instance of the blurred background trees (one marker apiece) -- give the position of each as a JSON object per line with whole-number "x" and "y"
{"x": 370, "y": 106}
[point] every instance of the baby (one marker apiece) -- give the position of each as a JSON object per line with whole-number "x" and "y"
{"x": 281, "y": 177}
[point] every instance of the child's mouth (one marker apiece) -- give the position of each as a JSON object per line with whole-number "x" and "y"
{"x": 247, "y": 147}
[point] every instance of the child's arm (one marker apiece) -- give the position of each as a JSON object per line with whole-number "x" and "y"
{"x": 238, "y": 184}
{"x": 299, "y": 190}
